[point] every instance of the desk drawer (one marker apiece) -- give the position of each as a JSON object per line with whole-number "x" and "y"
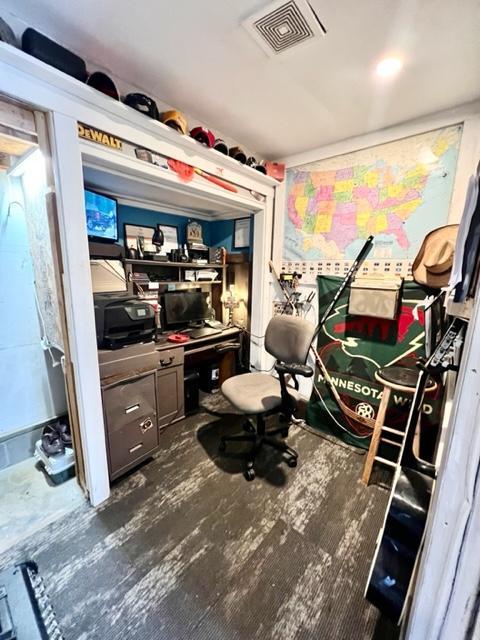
{"x": 130, "y": 403}
{"x": 131, "y": 442}
{"x": 169, "y": 358}
{"x": 127, "y": 361}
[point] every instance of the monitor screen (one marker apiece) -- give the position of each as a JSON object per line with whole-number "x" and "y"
{"x": 101, "y": 214}
{"x": 183, "y": 307}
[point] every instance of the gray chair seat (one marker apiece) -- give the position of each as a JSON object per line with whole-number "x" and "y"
{"x": 287, "y": 339}
{"x": 254, "y": 393}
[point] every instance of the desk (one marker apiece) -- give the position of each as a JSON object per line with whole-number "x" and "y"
{"x": 194, "y": 344}
{"x": 201, "y": 350}
{"x": 194, "y": 354}
{"x": 143, "y": 392}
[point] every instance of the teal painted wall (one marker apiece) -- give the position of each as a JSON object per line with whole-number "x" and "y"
{"x": 218, "y": 233}
{"x": 135, "y": 215}
{"x": 221, "y": 234}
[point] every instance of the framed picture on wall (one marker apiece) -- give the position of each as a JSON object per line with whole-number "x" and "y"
{"x": 138, "y": 234}
{"x": 170, "y": 236}
{"x": 134, "y": 231}
{"x": 241, "y": 233}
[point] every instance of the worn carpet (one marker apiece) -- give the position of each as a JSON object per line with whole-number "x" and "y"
{"x": 185, "y": 548}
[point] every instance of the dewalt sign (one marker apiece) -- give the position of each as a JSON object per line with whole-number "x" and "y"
{"x": 95, "y": 135}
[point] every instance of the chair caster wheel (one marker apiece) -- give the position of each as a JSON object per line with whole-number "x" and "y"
{"x": 284, "y": 433}
{"x": 249, "y": 475}
{"x": 221, "y": 447}
{"x": 292, "y": 462}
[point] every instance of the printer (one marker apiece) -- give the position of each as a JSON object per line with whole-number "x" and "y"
{"x": 122, "y": 320}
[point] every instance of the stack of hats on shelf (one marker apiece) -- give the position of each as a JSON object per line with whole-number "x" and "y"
{"x": 41, "y": 47}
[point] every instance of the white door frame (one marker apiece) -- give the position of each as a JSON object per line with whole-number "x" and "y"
{"x": 67, "y": 101}
{"x": 67, "y": 164}
{"x": 444, "y": 603}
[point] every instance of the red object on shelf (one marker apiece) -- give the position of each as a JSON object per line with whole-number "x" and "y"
{"x": 275, "y": 170}
{"x": 178, "y": 338}
{"x": 185, "y": 172}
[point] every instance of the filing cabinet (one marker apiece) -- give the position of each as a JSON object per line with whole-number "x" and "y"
{"x": 142, "y": 392}
{"x": 130, "y": 422}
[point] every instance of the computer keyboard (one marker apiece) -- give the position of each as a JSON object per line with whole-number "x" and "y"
{"x": 215, "y": 324}
{"x": 203, "y": 332}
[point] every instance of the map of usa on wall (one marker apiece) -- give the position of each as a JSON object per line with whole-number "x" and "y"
{"x": 398, "y": 192}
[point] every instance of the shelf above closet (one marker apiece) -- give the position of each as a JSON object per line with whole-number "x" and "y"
{"x": 146, "y": 185}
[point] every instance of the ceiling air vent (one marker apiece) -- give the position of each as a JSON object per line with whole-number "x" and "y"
{"x": 283, "y": 25}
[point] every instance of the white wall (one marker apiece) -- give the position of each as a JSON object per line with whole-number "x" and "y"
{"x": 31, "y": 390}
{"x": 468, "y": 158}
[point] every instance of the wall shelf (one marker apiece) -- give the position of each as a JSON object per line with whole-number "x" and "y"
{"x": 186, "y": 265}
{"x": 194, "y": 282}
{"x": 176, "y": 271}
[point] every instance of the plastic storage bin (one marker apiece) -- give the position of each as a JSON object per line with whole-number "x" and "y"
{"x": 59, "y": 467}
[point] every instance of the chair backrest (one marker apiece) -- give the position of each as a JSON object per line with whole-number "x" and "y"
{"x": 288, "y": 338}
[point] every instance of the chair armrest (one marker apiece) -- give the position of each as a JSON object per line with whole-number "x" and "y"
{"x": 294, "y": 369}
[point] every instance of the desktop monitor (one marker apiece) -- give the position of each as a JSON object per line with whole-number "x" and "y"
{"x": 101, "y": 212}
{"x": 182, "y": 307}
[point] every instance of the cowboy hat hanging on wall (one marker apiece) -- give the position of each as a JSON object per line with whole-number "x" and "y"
{"x": 434, "y": 261}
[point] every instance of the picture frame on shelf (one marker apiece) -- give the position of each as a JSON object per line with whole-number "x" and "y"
{"x": 132, "y": 233}
{"x": 194, "y": 232}
{"x": 170, "y": 238}
{"x": 241, "y": 233}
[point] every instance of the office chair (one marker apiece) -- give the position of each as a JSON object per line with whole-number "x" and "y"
{"x": 288, "y": 339}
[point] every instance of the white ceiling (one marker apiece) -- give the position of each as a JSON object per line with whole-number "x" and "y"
{"x": 194, "y": 54}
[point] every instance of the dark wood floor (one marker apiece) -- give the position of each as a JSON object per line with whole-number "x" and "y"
{"x": 187, "y": 549}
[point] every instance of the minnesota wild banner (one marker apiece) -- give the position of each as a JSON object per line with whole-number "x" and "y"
{"x": 353, "y": 348}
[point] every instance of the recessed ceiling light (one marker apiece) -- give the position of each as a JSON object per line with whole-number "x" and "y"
{"x": 388, "y": 67}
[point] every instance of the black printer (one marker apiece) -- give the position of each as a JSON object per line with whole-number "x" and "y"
{"x": 122, "y": 320}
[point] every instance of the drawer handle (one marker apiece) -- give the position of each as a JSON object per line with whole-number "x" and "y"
{"x": 133, "y": 407}
{"x": 164, "y": 363}
{"x": 136, "y": 447}
{"x": 146, "y": 425}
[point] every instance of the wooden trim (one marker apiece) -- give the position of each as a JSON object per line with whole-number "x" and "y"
{"x": 17, "y": 117}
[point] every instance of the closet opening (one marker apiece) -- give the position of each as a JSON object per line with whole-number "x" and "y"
{"x": 40, "y": 465}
